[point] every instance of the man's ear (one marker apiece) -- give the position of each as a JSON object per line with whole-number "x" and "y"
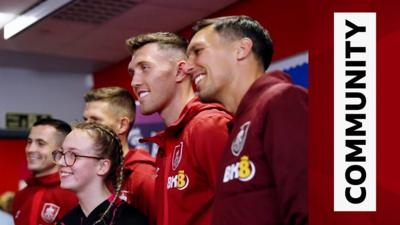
{"x": 103, "y": 167}
{"x": 243, "y": 48}
{"x": 181, "y": 72}
{"x": 124, "y": 125}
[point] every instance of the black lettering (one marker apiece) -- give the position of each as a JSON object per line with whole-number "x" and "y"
{"x": 353, "y": 130}
{"x": 355, "y": 63}
{"x": 350, "y": 49}
{"x": 354, "y": 156}
{"x": 354, "y": 29}
{"x": 358, "y": 95}
{"x": 354, "y": 168}
{"x": 357, "y": 200}
{"x": 358, "y": 75}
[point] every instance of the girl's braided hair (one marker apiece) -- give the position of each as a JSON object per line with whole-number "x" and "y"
{"x": 108, "y": 146}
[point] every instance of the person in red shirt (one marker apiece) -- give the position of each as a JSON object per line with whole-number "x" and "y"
{"x": 43, "y": 201}
{"x": 191, "y": 145}
{"x": 115, "y": 107}
{"x": 263, "y": 174}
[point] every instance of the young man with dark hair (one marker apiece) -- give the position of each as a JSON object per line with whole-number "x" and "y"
{"x": 192, "y": 143}
{"x": 115, "y": 107}
{"x": 43, "y": 201}
{"x": 263, "y": 172}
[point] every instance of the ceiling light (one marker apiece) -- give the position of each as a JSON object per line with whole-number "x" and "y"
{"x": 5, "y": 18}
{"x": 32, "y": 16}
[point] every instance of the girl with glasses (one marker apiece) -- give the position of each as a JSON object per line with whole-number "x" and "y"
{"x": 91, "y": 158}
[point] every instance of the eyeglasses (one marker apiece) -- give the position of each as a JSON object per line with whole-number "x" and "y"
{"x": 70, "y": 157}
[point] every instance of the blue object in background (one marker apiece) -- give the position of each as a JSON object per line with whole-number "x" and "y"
{"x": 299, "y": 74}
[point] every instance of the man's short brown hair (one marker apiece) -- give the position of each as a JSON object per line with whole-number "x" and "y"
{"x": 166, "y": 40}
{"x": 236, "y": 27}
{"x": 120, "y": 100}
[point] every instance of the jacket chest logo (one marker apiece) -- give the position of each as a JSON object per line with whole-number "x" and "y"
{"x": 240, "y": 139}
{"x": 177, "y": 155}
{"x": 179, "y": 181}
{"x": 49, "y": 212}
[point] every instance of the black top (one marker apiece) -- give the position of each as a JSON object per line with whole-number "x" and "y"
{"x": 121, "y": 214}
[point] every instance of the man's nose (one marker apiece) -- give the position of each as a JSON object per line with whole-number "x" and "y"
{"x": 135, "y": 85}
{"x": 30, "y": 147}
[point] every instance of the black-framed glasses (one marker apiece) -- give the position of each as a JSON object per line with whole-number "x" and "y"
{"x": 70, "y": 157}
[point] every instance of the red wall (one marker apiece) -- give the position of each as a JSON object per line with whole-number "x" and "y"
{"x": 12, "y": 163}
{"x": 285, "y": 20}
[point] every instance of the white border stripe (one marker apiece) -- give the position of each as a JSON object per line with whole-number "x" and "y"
{"x": 343, "y": 165}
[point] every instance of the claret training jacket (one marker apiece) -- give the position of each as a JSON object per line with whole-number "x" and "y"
{"x": 188, "y": 157}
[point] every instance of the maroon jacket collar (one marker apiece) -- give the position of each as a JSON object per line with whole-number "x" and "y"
{"x": 191, "y": 109}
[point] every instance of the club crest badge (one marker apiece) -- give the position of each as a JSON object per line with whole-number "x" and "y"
{"x": 49, "y": 212}
{"x": 177, "y": 155}
{"x": 240, "y": 139}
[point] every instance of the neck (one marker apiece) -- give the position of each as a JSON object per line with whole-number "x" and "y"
{"x": 49, "y": 171}
{"x": 245, "y": 76}
{"x": 183, "y": 95}
{"x": 124, "y": 143}
{"x": 92, "y": 197}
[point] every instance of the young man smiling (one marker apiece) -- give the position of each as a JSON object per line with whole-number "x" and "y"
{"x": 43, "y": 201}
{"x": 192, "y": 143}
{"x": 263, "y": 174}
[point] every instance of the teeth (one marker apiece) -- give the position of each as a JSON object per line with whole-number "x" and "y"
{"x": 143, "y": 94}
{"x": 34, "y": 157}
{"x": 198, "y": 79}
{"x": 64, "y": 174}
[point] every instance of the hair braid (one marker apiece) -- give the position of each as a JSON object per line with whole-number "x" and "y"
{"x": 111, "y": 143}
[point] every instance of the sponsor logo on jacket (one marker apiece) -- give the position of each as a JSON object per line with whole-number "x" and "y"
{"x": 179, "y": 181}
{"x": 49, "y": 212}
{"x": 240, "y": 139}
{"x": 244, "y": 170}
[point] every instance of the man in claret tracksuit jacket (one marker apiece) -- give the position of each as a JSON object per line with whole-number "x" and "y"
{"x": 43, "y": 201}
{"x": 115, "y": 107}
{"x": 192, "y": 143}
{"x": 263, "y": 175}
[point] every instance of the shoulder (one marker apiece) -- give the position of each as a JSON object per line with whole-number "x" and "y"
{"x": 210, "y": 119}
{"x": 71, "y": 217}
{"x": 277, "y": 89}
{"x": 287, "y": 94}
{"x": 130, "y": 215}
{"x": 279, "y": 94}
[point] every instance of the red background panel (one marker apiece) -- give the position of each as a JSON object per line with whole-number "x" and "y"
{"x": 321, "y": 112}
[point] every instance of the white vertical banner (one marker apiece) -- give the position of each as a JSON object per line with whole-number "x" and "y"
{"x": 355, "y": 112}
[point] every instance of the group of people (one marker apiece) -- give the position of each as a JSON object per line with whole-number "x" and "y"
{"x": 234, "y": 150}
